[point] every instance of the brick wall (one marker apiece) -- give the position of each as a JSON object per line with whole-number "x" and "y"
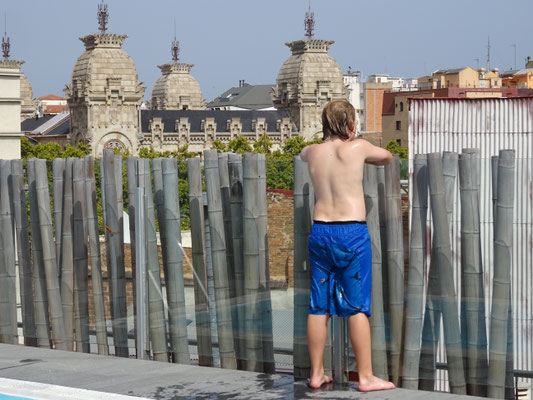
{"x": 280, "y": 236}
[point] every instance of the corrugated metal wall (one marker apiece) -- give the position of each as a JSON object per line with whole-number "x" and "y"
{"x": 490, "y": 125}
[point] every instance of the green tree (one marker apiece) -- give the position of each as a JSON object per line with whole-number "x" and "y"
{"x": 218, "y": 145}
{"x": 239, "y": 145}
{"x": 294, "y": 146}
{"x": 47, "y": 151}
{"x": 148, "y": 152}
{"x": 395, "y": 148}
{"x": 78, "y": 151}
{"x": 26, "y": 148}
{"x": 263, "y": 145}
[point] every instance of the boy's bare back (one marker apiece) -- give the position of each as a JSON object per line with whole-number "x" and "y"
{"x": 336, "y": 169}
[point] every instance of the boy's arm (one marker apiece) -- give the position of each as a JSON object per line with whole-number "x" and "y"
{"x": 376, "y": 155}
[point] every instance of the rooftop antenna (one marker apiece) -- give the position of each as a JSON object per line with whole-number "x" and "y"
{"x": 175, "y": 46}
{"x": 103, "y": 16}
{"x": 6, "y": 45}
{"x": 514, "y": 45}
{"x": 309, "y": 22}
{"x": 488, "y": 54}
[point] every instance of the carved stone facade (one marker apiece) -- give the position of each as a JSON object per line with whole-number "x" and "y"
{"x": 105, "y": 96}
{"x": 176, "y": 89}
{"x": 29, "y": 105}
{"x": 197, "y": 129}
{"x": 307, "y": 80}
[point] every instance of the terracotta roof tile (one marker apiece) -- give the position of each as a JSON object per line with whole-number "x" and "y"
{"x": 51, "y": 97}
{"x": 55, "y": 109}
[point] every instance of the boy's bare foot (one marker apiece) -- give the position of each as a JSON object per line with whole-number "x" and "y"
{"x": 316, "y": 382}
{"x": 374, "y": 383}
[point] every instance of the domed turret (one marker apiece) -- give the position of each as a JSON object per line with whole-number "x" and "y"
{"x": 105, "y": 95}
{"x": 307, "y": 80}
{"x": 176, "y": 89}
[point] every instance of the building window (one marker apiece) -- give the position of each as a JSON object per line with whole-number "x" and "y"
{"x": 401, "y": 106}
{"x": 399, "y": 141}
{"x": 398, "y": 125}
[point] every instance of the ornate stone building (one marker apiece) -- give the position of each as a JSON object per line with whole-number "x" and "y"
{"x": 29, "y": 105}
{"x": 167, "y": 129}
{"x": 176, "y": 89}
{"x": 105, "y": 96}
{"x": 307, "y": 80}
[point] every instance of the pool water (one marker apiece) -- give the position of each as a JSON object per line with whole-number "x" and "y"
{"x": 7, "y": 397}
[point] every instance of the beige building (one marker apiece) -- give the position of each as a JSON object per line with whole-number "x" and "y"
{"x": 29, "y": 105}
{"x": 105, "y": 96}
{"x": 448, "y": 78}
{"x": 176, "y": 89}
{"x": 10, "y": 108}
{"x": 520, "y": 79}
{"x": 307, "y": 80}
{"x": 465, "y": 77}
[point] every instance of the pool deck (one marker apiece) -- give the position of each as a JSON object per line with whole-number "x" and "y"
{"x": 164, "y": 381}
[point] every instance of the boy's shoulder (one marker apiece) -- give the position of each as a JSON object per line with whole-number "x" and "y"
{"x": 306, "y": 151}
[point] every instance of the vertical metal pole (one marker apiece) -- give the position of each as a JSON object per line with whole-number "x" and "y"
{"x": 140, "y": 265}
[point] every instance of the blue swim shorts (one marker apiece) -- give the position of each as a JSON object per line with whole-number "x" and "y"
{"x": 341, "y": 266}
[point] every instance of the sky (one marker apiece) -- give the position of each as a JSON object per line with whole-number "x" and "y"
{"x": 230, "y": 40}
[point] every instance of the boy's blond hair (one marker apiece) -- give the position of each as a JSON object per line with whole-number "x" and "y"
{"x": 336, "y": 117}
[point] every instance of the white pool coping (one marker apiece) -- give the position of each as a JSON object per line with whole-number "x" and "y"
{"x": 44, "y": 391}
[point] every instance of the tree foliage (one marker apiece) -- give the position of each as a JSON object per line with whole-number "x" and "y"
{"x": 395, "y": 148}
{"x": 239, "y": 145}
{"x": 263, "y": 145}
{"x": 279, "y": 167}
{"x": 49, "y": 151}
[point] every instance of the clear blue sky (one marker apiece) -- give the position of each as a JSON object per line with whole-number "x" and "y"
{"x": 229, "y": 40}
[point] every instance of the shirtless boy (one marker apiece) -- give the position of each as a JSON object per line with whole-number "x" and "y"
{"x": 339, "y": 244}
